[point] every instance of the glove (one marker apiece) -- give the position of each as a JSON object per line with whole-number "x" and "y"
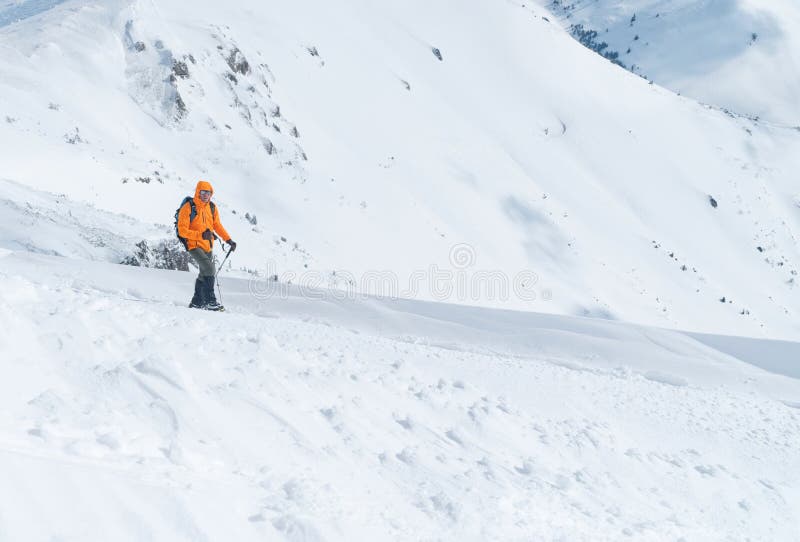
{"x": 208, "y": 235}
{"x": 232, "y": 244}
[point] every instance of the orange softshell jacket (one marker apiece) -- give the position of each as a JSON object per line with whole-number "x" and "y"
{"x": 193, "y": 231}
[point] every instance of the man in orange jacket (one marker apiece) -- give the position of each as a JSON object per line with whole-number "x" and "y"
{"x": 199, "y": 236}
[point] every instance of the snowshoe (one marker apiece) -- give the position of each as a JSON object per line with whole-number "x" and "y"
{"x": 216, "y": 307}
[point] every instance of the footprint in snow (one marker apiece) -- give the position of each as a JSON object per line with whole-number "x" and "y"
{"x": 706, "y": 470}
{"x": 452, "y": 435}
{"x": 294, "y": 528}
{"x": 525, "y": 470}
{"x": 405, "y": 423}
{"x": 407, "y": 456}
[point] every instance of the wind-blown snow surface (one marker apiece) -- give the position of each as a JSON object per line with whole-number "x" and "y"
{"x": 359, "y": 150}
{"x": 125, "y": 416}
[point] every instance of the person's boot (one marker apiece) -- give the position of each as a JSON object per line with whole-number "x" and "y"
{"x": 211, "y": 299}
{"x": 198, "y": 298}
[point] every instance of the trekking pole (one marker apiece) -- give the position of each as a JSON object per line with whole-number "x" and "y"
{"x": 223, "y": 250}
{"x": 219, "y": 268}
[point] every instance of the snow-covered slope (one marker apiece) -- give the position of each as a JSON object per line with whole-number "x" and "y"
{"x": 341, "y": 145}
{"x": 742, "y": 55}
{"x": 54, "y": 224}
{"x": 460, "y": 153}
{"x": 306, "y": 416}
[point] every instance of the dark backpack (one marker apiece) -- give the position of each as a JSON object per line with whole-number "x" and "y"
{"x": 192, "y": 215}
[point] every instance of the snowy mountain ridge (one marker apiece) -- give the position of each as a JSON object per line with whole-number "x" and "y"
{"x": 743, "y": 56}
{"x": 331, "y": 141}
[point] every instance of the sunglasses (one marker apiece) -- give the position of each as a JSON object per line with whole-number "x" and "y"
{"x": 205, "y": 192}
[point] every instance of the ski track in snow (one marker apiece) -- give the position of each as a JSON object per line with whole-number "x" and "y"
{"x": 318, "y": 428}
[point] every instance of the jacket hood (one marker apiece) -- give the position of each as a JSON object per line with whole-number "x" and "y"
{"x": 202, "y": 185}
